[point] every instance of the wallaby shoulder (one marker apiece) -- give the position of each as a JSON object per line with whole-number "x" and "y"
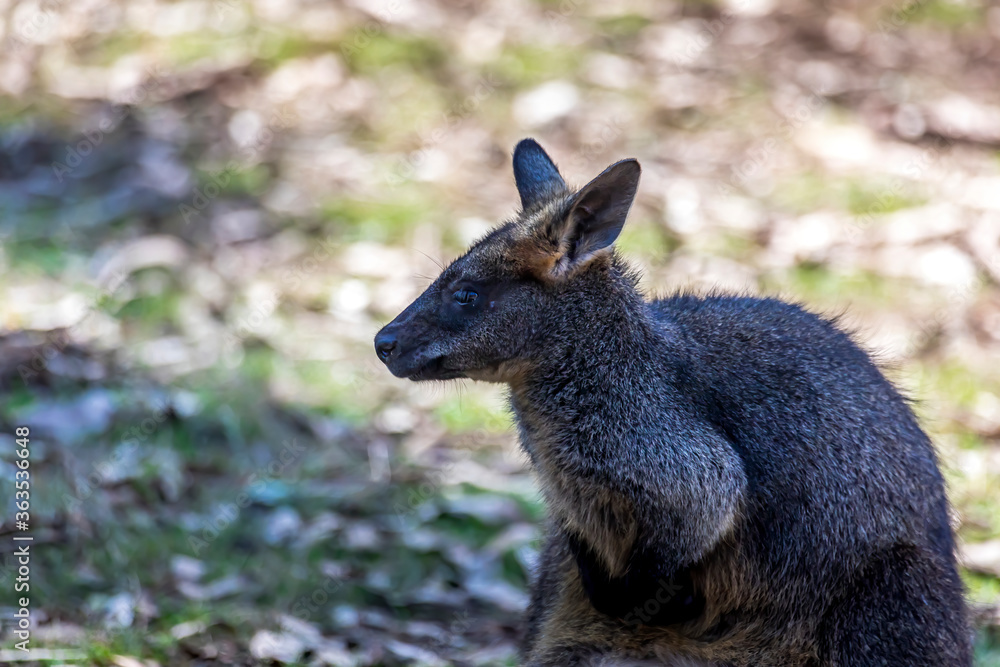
{"x": 814, "y": 420}
{"x": 750, "y": 322}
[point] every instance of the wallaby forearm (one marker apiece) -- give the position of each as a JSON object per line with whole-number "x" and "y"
{"x": 636, "y": 527}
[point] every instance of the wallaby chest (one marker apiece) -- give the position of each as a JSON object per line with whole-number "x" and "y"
{"x": 578, "y": 502}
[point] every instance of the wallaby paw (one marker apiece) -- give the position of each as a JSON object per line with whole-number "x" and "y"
{"x": 643, "y": 595}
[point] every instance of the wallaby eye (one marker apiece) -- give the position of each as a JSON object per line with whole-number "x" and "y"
{"x": 466, "y": 296}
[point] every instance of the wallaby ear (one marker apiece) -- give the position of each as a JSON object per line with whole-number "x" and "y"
{"x": 536, "y": 175}
{"x": 596, "y": 215}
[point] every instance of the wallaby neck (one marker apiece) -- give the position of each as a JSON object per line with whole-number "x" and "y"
{"x": 604, "y": 341}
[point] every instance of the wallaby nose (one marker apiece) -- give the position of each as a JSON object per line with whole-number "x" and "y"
{"x": 385, "y": 343}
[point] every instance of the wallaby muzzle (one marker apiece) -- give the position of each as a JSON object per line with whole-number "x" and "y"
{"x": 410, "y": 347}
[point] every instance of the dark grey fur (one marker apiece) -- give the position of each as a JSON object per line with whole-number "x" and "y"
{"x": 731, "y": 480}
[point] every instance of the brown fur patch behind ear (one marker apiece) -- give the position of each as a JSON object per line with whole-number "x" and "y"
{"x": 535, "y": 256}
{"x": 547, "y": 260}
{"x": 542, "y": 250}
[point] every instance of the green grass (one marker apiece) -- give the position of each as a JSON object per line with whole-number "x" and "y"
{"x": 525, "y": 65}
{"x": 36, "y": 258}
{"x": 373, "y": 47}
{"x": 822, "y": 288}
{"x": 644, "y": 238}
{"x": 472, "y": 411}
{"x": 273, "y": 47}
{"x": 811, "y": 191}
{"x": 623, "y": 28}
{"x": 987, "y": 648}
{"x": 945, "y": 13}
{"x": 16, "y": 397}
{"x": 102, "y": 50}
{"x": 951, "y": 382}
{"x": 235, "y": 179}
{"x": 387, "y": 220}
{"x": 863, "y": 198}
{"x": 335, "y": 390}
{"x": 981, "y": 588}
{"x": 152, "y": 310}
{"x": 189, "y": 48}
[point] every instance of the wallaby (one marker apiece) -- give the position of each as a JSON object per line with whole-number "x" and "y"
{"x": 730, "y": 480}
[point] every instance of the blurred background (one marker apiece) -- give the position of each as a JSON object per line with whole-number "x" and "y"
{"x": 209, "y": 207}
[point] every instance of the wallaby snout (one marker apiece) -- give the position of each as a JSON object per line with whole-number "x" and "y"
{"x": 412, "y": 345}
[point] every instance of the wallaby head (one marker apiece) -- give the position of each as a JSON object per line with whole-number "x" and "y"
{"x": 482, "y": 314}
